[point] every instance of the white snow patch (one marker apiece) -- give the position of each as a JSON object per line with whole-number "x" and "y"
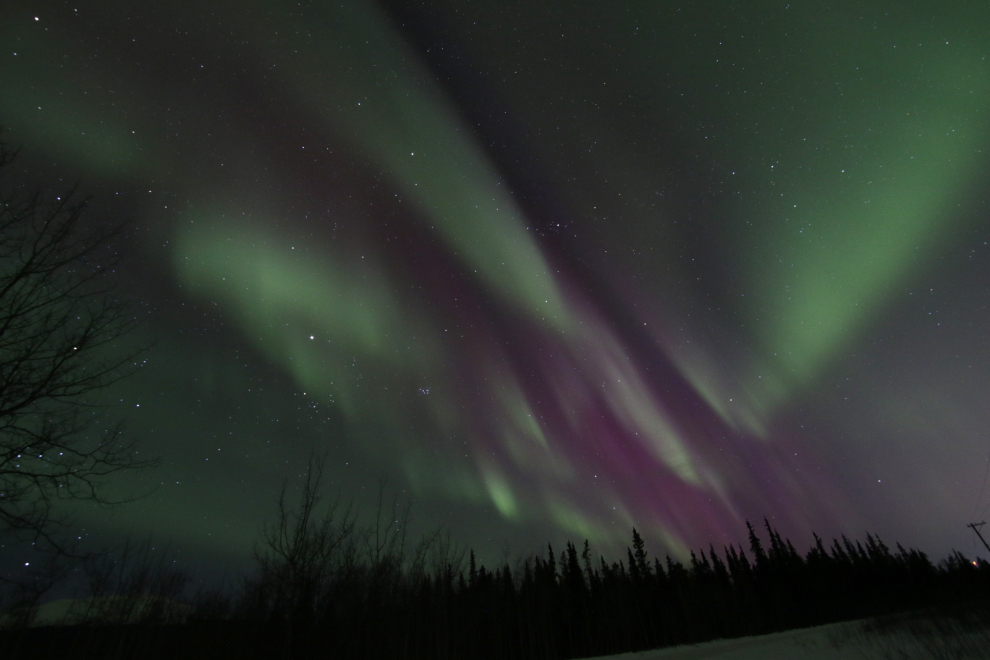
{"x": 802, "y": 644}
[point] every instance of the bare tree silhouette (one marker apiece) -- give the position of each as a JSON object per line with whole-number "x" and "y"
{"x": 58, "y": 317}
{"x": 303, "y": 557}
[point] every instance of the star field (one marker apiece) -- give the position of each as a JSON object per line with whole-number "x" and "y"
{"x": 553, "y": 271}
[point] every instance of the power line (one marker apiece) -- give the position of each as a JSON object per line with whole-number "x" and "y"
{"x": 976, "y": 528}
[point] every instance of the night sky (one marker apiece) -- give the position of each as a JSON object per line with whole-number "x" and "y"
{"x": 551, "y": 269}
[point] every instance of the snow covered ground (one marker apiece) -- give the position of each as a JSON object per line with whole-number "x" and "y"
{"x": 804, "y": 644}
{"x": 910, "y": 638}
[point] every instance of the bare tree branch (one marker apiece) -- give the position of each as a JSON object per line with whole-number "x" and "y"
{"x": 58, "y": 317}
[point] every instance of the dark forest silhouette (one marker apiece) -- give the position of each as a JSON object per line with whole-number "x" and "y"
{"x": 327, "y": 587}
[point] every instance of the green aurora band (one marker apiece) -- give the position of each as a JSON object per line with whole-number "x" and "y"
{"x": 840, "y": 181}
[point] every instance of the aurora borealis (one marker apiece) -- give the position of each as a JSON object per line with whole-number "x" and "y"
{"x": 553, "y": 270}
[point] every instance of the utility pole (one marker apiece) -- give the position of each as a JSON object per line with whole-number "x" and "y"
{"x": 976, "y": 528}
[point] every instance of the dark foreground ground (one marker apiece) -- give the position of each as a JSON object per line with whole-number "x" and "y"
{"x": 957, "y": 632}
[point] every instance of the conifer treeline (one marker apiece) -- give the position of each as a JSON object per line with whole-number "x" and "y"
{"x": 329, "y": 590}
{"x": 327, "y": 587}
{"x": 577, "y": 605}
